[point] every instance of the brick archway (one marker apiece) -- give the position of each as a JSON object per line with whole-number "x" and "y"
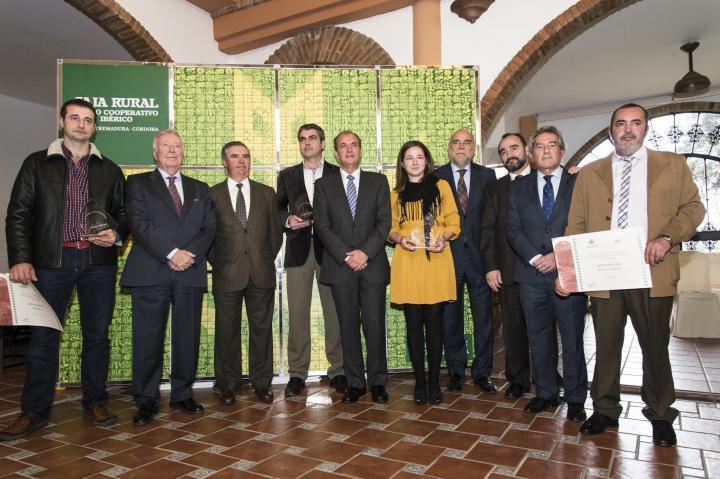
{"x": 124, "y": 28}
{"x": 330, "y": 46}
{"x": 548, "y": 41}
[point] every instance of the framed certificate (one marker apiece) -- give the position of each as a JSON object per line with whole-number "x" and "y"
{"x": 604, "y": 260}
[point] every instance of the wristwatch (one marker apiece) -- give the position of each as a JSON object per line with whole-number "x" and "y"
{"x": 666, "y": 238}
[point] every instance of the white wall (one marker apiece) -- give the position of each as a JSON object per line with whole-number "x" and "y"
{"x": 490, "y": 42}
{"x": 24, "y": 128}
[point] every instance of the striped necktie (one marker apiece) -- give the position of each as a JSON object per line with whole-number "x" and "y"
{"x": 624, "y": 193}
{"x": 351, "y": 195}
{"x": 174, "y": 194}
{"x": 462, "y": 191}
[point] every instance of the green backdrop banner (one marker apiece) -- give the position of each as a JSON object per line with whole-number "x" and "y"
{"x": 263, "y": 106}
{"x": 132, "y": 103}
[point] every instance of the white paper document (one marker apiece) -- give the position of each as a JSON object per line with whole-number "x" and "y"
{"x": 23, "y": 305}
{"x": 604, "y": 260}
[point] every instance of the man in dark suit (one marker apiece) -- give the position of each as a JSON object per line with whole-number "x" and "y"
{"x": 352, "y": 218}
{"x": 537, "y": 211}
{"x": 468, "y": 181}
{"x": 636, "y": 187}
{"x": 499, "y": 261}
{"x": 247, "y": 240}
{"x": 303, "y": 257}
{"x": 173, "y": 225}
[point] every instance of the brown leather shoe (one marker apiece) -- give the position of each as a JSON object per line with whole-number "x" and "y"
{"x": 25, "y": 423}
{"x": 100, "y": 415}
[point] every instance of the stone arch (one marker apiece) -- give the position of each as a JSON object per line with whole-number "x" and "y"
{"x": 599, "y": 137}
{"x": 330, "y": 45}
{"x": 124, "y": 28}
{"x": 548, "y": 41}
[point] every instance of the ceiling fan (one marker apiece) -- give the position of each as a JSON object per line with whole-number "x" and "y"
{"x": 693, "y": 83}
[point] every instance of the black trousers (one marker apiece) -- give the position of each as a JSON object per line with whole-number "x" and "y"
{"x": 424, "y": 324}
{"x": 517, "y": 349}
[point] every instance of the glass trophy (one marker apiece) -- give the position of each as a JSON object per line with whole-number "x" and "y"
{"x": 303, "y": 208}
{"x": 94, "y": 219}
{"x": 424, "y": 235}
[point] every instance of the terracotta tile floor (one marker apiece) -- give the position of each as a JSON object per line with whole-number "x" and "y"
{"x": 470, "y": 435}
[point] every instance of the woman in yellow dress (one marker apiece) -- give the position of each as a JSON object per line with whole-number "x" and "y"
{"x": 422, "y": 277}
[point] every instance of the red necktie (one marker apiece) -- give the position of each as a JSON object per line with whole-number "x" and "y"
{"x": 174, "y": 194}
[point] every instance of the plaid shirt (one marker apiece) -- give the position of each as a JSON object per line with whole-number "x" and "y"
{"x": 76, "y": 195}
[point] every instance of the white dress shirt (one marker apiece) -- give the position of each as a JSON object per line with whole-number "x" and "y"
{"x": 232, "y": 189}
{"x": 311, "y": 176}
{"x": 555, "y": 183}
{"x": 637, "y": 213}
{"x": 356, "y": 179}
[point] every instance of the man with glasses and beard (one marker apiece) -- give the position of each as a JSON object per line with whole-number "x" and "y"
{"x": 499, "y": 260}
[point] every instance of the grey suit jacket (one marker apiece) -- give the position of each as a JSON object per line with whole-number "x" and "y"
{"x": 157, "y": 229}
{"x": 529, "y": 232}
{"x": 240, "y": 255}
{"x": 340, "y": 233}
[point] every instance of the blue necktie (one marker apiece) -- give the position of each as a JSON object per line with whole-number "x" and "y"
{"x": 548, "y": 197}
{"x": 351, "y": 195}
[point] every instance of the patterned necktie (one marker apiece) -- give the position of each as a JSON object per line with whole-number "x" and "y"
{"x": 548, "y": 197}
{"x": 174, "y": 194}
{"x": 462, "y": 191}
{"x": 240, "y": 209}
{"x": 352, "y": 195}
{"x": 624, "y": 194}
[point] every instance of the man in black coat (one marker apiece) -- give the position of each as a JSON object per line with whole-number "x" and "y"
{"x": 499, "y": 261}
{"x": 537, "y": 212}
{"x": 172, "y": 222}
{"x": 352, "y": 217}
{"x": 303, "y": 260}
{"x": 468, "y": 181}
{"x": 48, "y": 244}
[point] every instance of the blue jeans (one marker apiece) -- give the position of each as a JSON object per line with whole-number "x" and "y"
{"x": 96, "y": 294}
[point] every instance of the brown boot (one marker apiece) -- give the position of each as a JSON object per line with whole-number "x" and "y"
{"x": 25, "y": 423}
{"x": 100, "y": 415}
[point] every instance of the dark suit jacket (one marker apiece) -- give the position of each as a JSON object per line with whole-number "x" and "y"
{"x": 480, "y": 178}
{"x": 157, "y": 229}
{"x": 529, "y": 232}
{"x": 239, "y": 255}
{"x": 495, "y": 249}
{"x": 340, "y": 233}
{"x": 290, "y": 186}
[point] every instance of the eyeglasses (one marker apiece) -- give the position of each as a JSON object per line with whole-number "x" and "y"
{"x": 462, "y": 142}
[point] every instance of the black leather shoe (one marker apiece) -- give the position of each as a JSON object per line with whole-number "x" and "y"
{"x": 435, "y": 396}
{"x": 538, "y": 404}
{"x": 188, "y": 406}
{"x": 379, "y": 394}
{"x": 576, "y": 411}
{"x": 486, "y": 384}
{"x": 352, "y": 394}
{"x": 420, "y": 396}
{"x": 597, "y": 423}
{"x": 145, "y": 414}
{"x": 515, "y": 391}
{"x": 339, "y": 383}
{"x": 227, "y": 398}
{"x": 455, "y": 383}
{"x": 264, "y": 394}
{"x": 663, "y": 433}
{"x": 294, "y": 387}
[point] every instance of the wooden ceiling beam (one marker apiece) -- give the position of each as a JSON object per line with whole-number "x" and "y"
{"x": 258, "y": 25}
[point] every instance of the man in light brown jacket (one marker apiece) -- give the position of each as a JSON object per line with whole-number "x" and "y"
{"x": 636, "y": 187}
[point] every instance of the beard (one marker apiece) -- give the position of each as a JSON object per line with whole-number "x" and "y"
{"x": 514, "y": 164}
